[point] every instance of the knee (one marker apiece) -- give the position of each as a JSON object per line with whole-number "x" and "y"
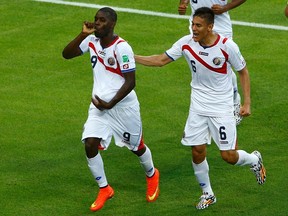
{"x": 91, "y": 147}
{"x": 140, "y": 152}
{"x": 198, "y": 153}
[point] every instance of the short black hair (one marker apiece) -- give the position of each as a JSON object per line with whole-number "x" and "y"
{"x": 111, "y": 14}
{"x": 205, "y": 13}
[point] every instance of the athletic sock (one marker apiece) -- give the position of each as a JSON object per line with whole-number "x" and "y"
{"x": 147, "y": 162}
{"x": 201, "y": 172}
{"x": 246, "y": 158}
{"x": 96, "y": 167}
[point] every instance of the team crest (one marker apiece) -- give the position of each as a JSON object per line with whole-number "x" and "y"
{"x": 217, "y": 61}
{"x": 111, "y": 61}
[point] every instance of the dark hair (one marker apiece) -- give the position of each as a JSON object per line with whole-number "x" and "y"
{"x": 111, "y": 14}
{"x": 205, "y": 13}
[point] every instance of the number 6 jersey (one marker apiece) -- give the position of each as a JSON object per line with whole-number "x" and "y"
{"x": 212, "y": 90}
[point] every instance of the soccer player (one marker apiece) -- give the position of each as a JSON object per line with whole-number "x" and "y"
{"x": 211, "y": 108}
{"x": 114, "y": 109}
{"x": 223, "y": 26}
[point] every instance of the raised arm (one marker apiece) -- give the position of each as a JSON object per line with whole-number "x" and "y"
{"x": 183, "y": 5}
{"x": 72, "y": 49}
{"x": 219, "y": 9}
{"x": 153, "y": 60}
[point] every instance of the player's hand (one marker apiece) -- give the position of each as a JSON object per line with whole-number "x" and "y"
{"x": 218, "y": 9}
{"x": 100, "y": 104}
{"x": 182, "y": 9}
{"x": 88, "y": 27}
{"x": 245, "y": 110}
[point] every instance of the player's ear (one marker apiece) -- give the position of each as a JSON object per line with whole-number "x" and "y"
{"x": 210, "y": 27}
{"x": 113, "y": 25}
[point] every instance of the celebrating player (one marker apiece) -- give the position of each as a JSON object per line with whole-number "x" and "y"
{"x": 114, "y": 109}
{"x": 223, "y": 26}
{"x": 211, "y": 109}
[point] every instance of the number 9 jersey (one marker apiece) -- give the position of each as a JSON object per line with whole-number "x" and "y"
{"x": 108, "y": 66}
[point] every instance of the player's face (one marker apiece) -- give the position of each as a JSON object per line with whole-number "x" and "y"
{"x": 103, "y": 25}
{"x": 200, "y": 29}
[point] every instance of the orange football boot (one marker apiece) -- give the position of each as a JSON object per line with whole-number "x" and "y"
{"x": 103, "y": 195}
{"x": 153, "y": 186}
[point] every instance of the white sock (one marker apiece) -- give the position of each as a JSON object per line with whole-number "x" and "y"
{"x": 96, "y": 167}
{"x": 201, "y": 172}
{"x": 246, "y": 158}
{"x": 147, "y": 162}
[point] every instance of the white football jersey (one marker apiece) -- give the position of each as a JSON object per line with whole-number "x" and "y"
{"x": 108, "y": 66}
{"x": 212, "y": 90}
{"x": 222, "y": 22}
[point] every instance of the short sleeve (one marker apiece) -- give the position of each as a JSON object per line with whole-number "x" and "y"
{"x": 235, "y": 57}
{"x": 84, "y": 46}
{"x": 175, "y": 52}
{"x": 125, "y": 57}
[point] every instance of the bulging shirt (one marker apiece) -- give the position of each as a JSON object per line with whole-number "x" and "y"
{"x": 109, "y": 64}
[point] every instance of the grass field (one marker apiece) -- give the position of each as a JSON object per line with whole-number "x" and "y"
{"x": 44, "y": 101}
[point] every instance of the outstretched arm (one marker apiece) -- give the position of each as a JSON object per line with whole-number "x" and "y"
{"x": 245, "y": 85}
{"x": 153, "y": 60}
{"x": 72, "y": 49}
{"x": 219, "y": 9}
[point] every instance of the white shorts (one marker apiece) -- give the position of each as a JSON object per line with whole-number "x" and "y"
{"x": 199, "y": 129}
{"x": 124, "y": 124}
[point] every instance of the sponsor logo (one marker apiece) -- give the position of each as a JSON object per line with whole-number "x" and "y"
{"x": 102, "y": 53}
{"x": 223, "y": 142}
{"x": 202, "y": 184}
{"x": 154, "y": 194}
{"x": 203, "y": 53}
{"x": 98, "y": 178}
{"x": 111, "y": 61}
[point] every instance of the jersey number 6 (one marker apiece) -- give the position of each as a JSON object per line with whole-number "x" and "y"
{"x": 222, "y": 133}
{"x": 193, "y": 63}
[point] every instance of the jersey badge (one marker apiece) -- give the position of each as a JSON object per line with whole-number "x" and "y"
{"x": 125, "y": 58}
{"x": 111, "y": 61}
{"x": 126, "y": 66}
{"x": 217, "y": 61}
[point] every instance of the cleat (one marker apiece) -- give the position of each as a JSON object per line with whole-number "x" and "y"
{"x": 103, "y": 195}
{"x": 259, "y": 169}
{"x": 205, "y": 201}
{"x": 153, "y": 186}
{"x": 237, "y": 106}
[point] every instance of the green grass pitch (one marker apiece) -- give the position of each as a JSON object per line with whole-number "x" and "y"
{"x": 44, "y": 101}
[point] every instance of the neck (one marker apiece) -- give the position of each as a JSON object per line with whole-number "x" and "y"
{"x": 209, "y": 40}
{"x": 106, "y": 41}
